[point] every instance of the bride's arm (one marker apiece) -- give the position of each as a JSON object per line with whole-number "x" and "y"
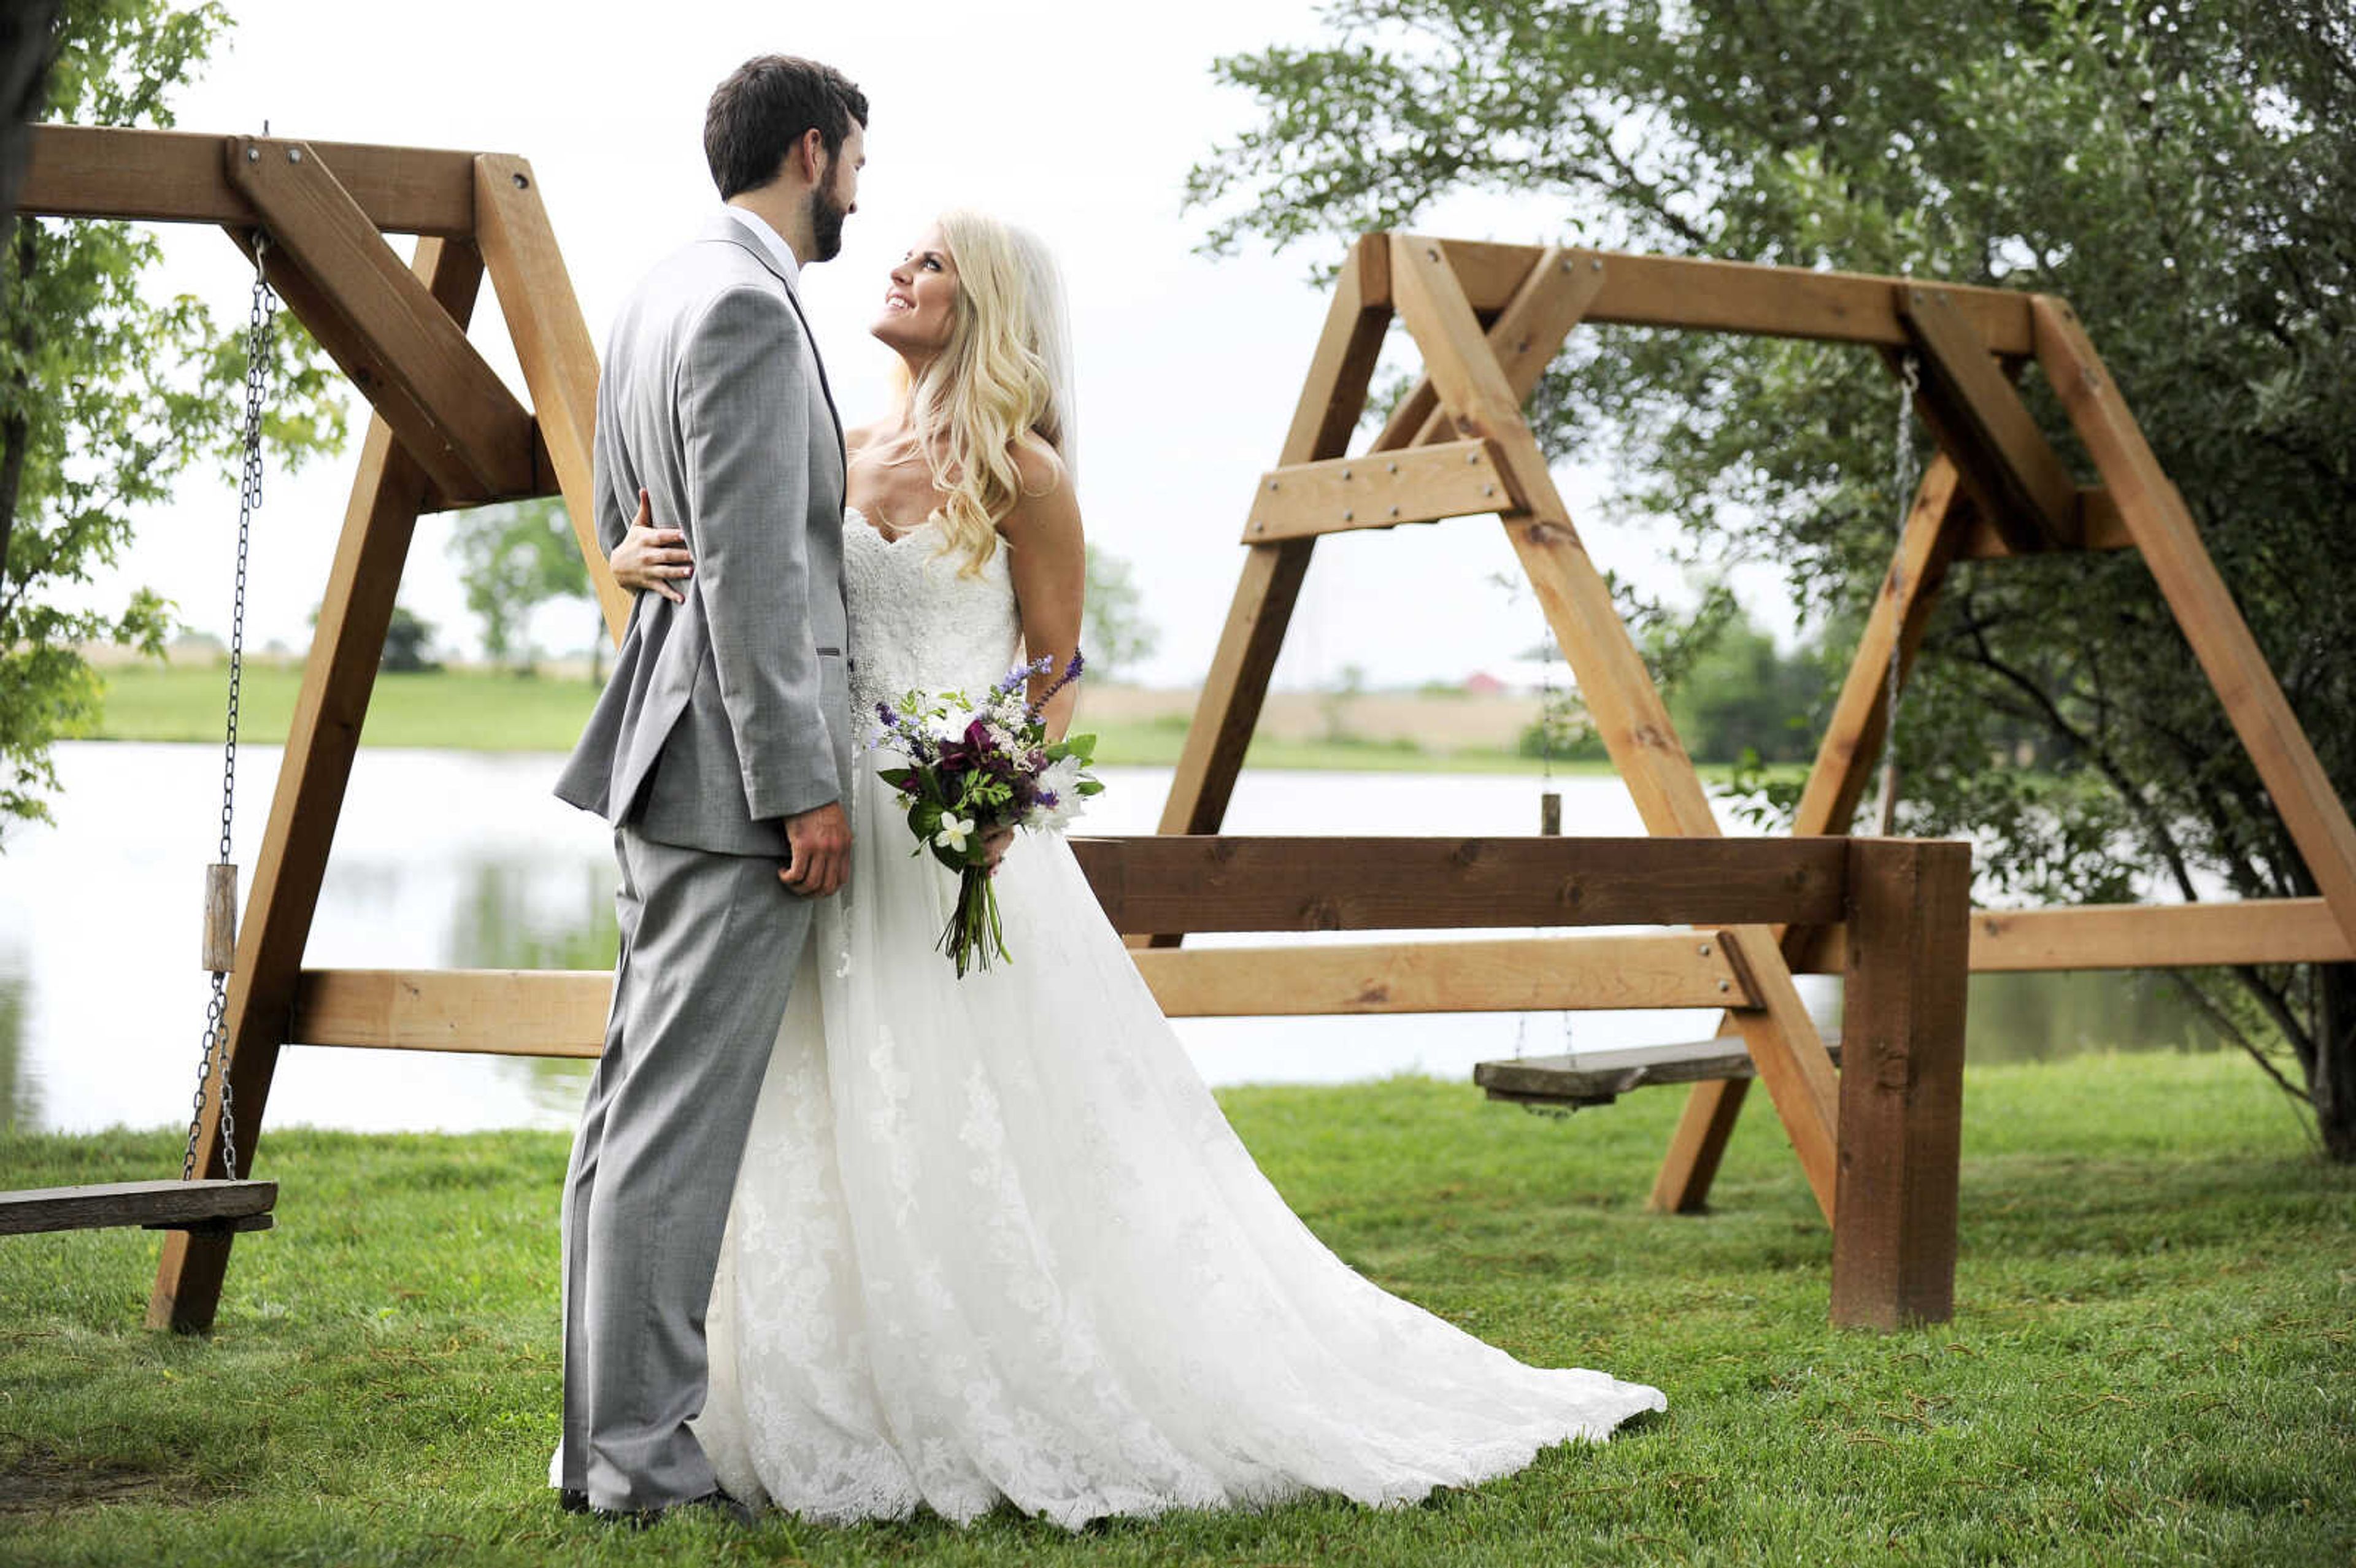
{"x": 649, "y": 557}
{"x": 1048, "y": 556}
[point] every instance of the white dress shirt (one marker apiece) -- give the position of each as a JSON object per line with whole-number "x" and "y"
{"x": 779, "y": 249}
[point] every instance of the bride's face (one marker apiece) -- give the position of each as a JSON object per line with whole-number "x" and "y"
{"x": 920, "y": 300}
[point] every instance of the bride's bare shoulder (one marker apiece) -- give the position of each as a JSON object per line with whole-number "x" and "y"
{"x": 1047, "y": 507}
{"x": 859, "y": 436}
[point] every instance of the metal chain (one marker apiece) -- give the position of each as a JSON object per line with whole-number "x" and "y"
{"x": 1911, "y": 375}
{"x": 260, "y": 334}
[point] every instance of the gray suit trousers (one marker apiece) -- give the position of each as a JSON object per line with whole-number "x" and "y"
{"x": 709, "y": 946}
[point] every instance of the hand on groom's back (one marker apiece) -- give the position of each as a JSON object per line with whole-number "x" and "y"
{"x": 818, "y": 843}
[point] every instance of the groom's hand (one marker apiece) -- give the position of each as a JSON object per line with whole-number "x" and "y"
{"x": 818, "y": 846}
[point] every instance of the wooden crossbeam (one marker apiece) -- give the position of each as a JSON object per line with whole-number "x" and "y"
{"x": 2024, "y": 489}
{"x": 2098, "y": 526}
{"x": 553, "y": 345}
{"x": 1381, "y": 490}
{"x": 1693, "y": 295}
{"x": 468, "y": 433}
{"x": 176, "y": 176}
{"x": 1168, "y": 882}
{"x": 338, "y": 679}
{"x": 1552, "y": 298}
{"x": 2311, "y": 809}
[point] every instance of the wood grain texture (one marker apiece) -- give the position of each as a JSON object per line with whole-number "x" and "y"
{"x": 505, "y": 1012}
{"x": 2155, "y": 514}
{"x": 177, "y": 177}
{"x": 1174, "y": 882}
{"x": 383, "y": 327}
{"x": 1381, "y": 490}
{"x": 1700, "y": 295}
{"x": 1599, "y": 1077}
{"x": 552, "y": 345}
{"x": 2024, "y": 489}
{"x": 1901, "y": 1089}
{"x": 337, "y": 678}
{"x": 152, "y": 1204}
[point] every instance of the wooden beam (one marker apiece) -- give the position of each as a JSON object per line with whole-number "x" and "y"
{"x": 337, "y": 680}
{"x": 1379, "y": 491}
{"x": 1332, "y": 399}
{"x": 2311, "y": 809}
{"x": 2139, "y": 936}
{"x": 1836, "y": 781}
{"x": 1168, "y": 882}
{"x": 2098, "y": 527}
{"x": 505, "y": 1012}
{"x": 401, "y": 350}
{"x": 1696, "y": 295}
{"x": 551, "y": 343}
{"x": 1591, "y": 1078}
{"x": 1535, "y": 975}
{"x": 2024, "y": 489}
{"x": 177, "y": 177}
{"x": 1551, "y": 299}
{"x": 155, "y": 1205}
{"x": 1613, "y": 680}
{"x": 1901, "y": 1090}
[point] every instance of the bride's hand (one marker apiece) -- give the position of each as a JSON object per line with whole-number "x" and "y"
{"x": 994, "y": 844}
{"x": 649, "y": 557}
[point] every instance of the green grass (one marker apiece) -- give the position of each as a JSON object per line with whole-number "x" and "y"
{"x": 2151, "y": 1359}
{"x": 474, "y": 710}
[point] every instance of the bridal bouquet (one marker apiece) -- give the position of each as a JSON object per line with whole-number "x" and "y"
{"x": 974, "y": 767}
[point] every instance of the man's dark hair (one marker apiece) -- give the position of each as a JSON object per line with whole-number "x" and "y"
{"x": 765, "y": 108}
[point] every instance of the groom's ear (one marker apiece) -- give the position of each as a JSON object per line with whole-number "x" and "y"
{"x": 809, "y": 159}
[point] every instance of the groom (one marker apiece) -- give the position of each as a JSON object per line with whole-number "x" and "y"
{"x": 720, "y": 752}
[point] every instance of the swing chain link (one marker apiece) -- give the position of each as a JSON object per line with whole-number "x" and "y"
{"x": 259, "y": 336}
{"x": 1909, "y": 474}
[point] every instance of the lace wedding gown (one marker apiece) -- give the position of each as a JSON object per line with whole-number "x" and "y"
{"x": 992, "y": 1237}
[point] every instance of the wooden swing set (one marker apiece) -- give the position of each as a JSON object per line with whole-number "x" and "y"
{"x": 1879, "y": 1144}
{"x": 1488, "y": 320}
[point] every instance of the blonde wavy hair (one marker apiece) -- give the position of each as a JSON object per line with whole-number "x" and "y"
{"x": 1004, "y": 374}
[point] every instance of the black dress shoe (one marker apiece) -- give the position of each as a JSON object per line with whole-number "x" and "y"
{"x": 571, "y": 1499}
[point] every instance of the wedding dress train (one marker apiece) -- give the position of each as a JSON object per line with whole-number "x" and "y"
{"x": 992, "y": 1238}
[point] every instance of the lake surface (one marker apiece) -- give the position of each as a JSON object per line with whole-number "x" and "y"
{"x": 464, "y": 860}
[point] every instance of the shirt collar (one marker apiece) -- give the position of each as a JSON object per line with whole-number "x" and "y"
{"x": 779, "y": 251}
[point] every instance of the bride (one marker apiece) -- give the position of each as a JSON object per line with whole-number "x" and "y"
{"x": 991, "y": 1238}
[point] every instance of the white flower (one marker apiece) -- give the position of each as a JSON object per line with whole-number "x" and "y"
{"x": 954, "y": 832}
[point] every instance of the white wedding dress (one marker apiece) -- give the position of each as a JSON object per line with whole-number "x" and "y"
{"x": 992, "y": 1238}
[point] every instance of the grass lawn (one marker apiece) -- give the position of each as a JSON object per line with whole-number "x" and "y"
{"x": 471, "y": 710}
{"x": 2151, "y": 1361}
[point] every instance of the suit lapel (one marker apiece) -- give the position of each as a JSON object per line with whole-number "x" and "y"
{"x": 723, "y": 226}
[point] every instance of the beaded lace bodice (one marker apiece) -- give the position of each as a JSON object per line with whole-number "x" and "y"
{"x": 918, "y": 621}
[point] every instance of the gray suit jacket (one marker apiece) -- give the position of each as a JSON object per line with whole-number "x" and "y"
{"x": 731, "y": 711}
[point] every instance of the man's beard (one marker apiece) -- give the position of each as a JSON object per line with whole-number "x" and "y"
{"x": 827, "y": 216}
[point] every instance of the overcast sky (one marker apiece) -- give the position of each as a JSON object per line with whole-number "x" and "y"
{"x": 1080, "y": 120}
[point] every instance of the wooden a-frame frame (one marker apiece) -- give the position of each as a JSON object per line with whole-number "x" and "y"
{"x": 446, "y": 433}
{"x": 1488, "y": 319}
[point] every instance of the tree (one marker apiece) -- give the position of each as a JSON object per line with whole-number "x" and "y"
{"x": 108, "y": 395}
{"x": 515, "y": 557}
{"x": 1116, "y": 635}
{"x": 408, "y": 644}
{"x": 2184, "y": 171}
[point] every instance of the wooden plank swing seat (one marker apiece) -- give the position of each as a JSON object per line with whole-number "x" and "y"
{"x": 201, "y": 1208}
{"x": 1878, "y": 1144}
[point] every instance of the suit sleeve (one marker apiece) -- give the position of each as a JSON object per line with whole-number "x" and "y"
{"x": 744, "y": 406}
{"x": 608, "y": 472}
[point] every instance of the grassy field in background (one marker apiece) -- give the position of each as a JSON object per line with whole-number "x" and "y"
{"x": 474, "y": 710}
{"x": 2153, "y": 1358}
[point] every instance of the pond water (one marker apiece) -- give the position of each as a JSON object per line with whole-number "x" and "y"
{"x": 464, "y": 860}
